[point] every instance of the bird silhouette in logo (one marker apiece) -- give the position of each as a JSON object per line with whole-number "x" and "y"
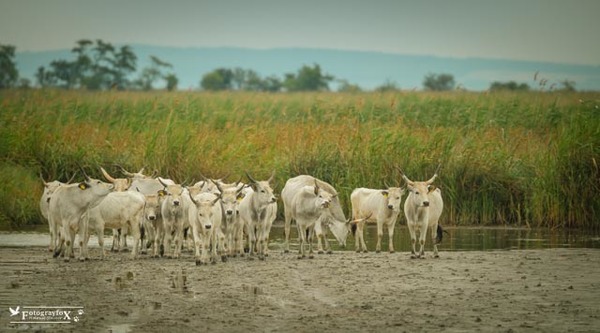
{"x": 14, "y": 312}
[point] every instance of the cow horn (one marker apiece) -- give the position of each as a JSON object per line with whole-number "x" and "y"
{"x": 192, "y": 198}
{"x": 107, "y": 176}
{"x": 125, "y": 172}
{"x": 316, "y": 187}
{"x": 386, "y": 184}
{"x": 272, "y": 176}
{"x": 218, "y": 186}
{"x": 408, "y": 181}
{"x": 72, "y": 177}
{"x": 250, "y": 178}
{"x": 163, "y": 184}
{"x": 85, "y": 175}
{"x": 216, "y": 200}
{"x": 43, "y": 180}
{"x": 434, "y": 175}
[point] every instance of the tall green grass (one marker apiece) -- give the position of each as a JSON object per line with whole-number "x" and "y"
{"x": 507, "y": 158}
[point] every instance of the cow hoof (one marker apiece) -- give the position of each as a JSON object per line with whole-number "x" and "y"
{"x": 67, "y": 259}
{"x": 250, "y": 258}
{"x": 437, "y": 256}
{"x": 392, "y": 252}
{"x": 124, "y": 250}
{"x": 286, "y": 251}
{"x": 266, "y": 254}
{"x": 329, "y": 252}
{"x": 224, "y": 258}
{"x": 413, "y": 256}
{"x": 365, "y": 251}
{"x": 199, "y": 263}
{"x": 213, "y": 262}
{"x": 242, "y": 255}
{"x": 311, "y": 257}
{"x": 377, "y": 251}
{"x": 320, "y": 252}
{"x": 358, "y": 251}
{"x": 301, "y": 257}
{"x": 422, "y": 257}
{"x": 262, "y": 258}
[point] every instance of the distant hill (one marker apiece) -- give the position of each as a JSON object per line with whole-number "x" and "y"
{"x": 367, "y": 69}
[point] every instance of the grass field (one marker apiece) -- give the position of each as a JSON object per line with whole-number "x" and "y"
{"x": 507, "y": 158}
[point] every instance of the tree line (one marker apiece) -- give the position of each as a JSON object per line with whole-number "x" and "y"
{"x": 98, "y": 65}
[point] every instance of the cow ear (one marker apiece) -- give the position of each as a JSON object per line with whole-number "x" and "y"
{"x": 83, "y": 185}
{"x": 431, "y": 188}
{"x": 162, "y": 193}
{"x": 240, "y": 196}
{"x": 385, "y": 193}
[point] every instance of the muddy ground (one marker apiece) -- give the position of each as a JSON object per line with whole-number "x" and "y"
{"x": 555, "y": 290}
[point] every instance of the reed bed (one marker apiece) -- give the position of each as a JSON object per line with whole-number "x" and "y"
{"x": 524, "y": 159}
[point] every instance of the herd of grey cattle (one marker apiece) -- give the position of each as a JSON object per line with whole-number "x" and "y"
{"x": 225, "y": 219}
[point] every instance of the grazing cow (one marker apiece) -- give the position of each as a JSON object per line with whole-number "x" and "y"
{"x": 118, "y": 210}
{"x": 174, "y": 217}
{"x": 335, "y": 221}
{"x": 423, "y": 208}
{"x": 309, "y": 207}
{"x": 68, "y": 205}
{"x": 205, "y": 216}
{"x": 380, "y": 206}
{"x": 256, "y": 214}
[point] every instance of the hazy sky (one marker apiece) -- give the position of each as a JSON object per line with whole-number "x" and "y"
{"x": 540, "y": 30}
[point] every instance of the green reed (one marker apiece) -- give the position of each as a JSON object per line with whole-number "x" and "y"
{"x": 507, "y": 158}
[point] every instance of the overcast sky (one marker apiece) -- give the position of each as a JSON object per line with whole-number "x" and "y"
{"x": 539, "y": 30}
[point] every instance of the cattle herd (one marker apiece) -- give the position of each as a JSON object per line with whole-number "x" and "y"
{"x": 227, "y": 219}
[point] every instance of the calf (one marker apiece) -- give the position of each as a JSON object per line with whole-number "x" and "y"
{"x": 174, "y": 218}
{"x": 423, "y": 208}
{"x": 380, "y": 206}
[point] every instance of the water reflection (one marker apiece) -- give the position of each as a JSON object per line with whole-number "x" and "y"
{"x": 471, "y": 239}
{"x": 457, "y": 239}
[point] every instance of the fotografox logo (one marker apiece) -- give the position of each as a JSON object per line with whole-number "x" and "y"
{"x": 46, "y": 314}
{"x": 14, "y": 312}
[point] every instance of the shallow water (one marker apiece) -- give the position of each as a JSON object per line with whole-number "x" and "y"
{"x": 457, "y": 239}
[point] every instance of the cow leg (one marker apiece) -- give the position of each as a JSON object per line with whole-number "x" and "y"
{"x": 422, "y": 236}
{"x": 311, "y": 234}
{"x": 413, "y": 239}
{"x": 287, "y": 227}
{"x": 379, "y": 236}
{"x": 302, "y": 235}
{"x": 317, "y": 230}
{"x": 123, "y": 242}
{"x": 433, "y": 231}
{"x": 391, "y": 227}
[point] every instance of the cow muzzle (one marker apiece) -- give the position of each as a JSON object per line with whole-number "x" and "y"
{"x": 229, "y": 212}
{"x": 425, "y": 203}
{"x": 151, "y": 217}
{"x": 207, "y": 227}
{"x": 176, "y": 202}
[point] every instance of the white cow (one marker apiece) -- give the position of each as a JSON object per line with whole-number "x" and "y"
{"x": 256, "y": 214}
{"x": 309, "y": 207}
{"x": 118, "y": 210}
{"x": 152, "y": 226}
{"x": 68, "y": 205}
{"x": 49, "y": 189}
{"x": 205, "y": 216}
{"x": 232, "y": 226}
{"x": 121, "y": 185}
{"x": 335, "y": 221}
{"x": 380, "y": 206}
{"x": 174, "y": 217}
{"x": 423, "y": 208}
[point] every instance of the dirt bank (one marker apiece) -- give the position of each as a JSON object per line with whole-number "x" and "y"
{"x": 554, "y": 290}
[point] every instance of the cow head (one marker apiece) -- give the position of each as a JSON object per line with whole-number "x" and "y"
{"x": 204, "y": 210}
{"x": 419, "y": 191}
{"x": 121, "y": 184}
{"x": 152, "y": 207}
{"x": 323, "y": 198}
{"x": 231, "y": 195}
{"x": 393, "y": 197}
{"x": 262, "y": 190}
{"x": 172, "y": 194}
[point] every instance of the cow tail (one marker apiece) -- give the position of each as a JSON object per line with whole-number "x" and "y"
{"x": 354, "y": 227}
{"x": 440, "y": 234}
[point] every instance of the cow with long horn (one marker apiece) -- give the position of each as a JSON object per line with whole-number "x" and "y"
{"x": 258, "y": 210}
{"x": 423, "y": 208}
